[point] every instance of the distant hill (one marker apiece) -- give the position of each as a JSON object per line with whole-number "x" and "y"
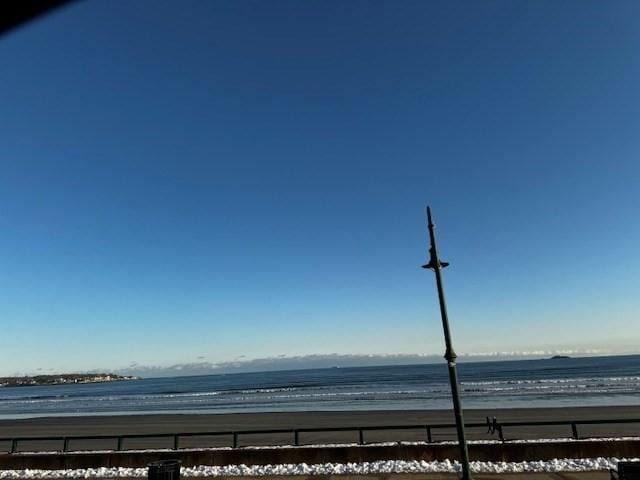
{"x": 62, "y": 379}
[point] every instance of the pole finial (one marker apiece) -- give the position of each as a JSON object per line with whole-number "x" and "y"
{"x": 434, "y": 262}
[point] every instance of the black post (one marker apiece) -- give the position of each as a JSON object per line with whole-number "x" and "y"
{"x": 436, "y": 265}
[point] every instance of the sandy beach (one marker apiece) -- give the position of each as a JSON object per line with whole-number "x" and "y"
{"x": 173, "y": 423}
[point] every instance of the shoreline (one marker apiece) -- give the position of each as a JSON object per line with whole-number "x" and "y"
{"x": 430, "y": 413}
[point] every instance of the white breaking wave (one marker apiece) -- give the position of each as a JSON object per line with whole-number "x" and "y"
{"x": 268, "y": 390}
{"x": 600, "y": 380}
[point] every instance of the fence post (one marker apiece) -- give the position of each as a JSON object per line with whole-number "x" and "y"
{"x": 429, "y": 439}
{"x": 361, "y": 436}
{"x": 14, "y": 445}
{"x": 176, "y": 440}
{"x": 65, "y": 445}
{"x": 574, "y": 430}
{"x": 500, "y": 434}
{"x": 235, "y": 439}
{"x": 119, "y": 447}
{"x": 296, "y": 438}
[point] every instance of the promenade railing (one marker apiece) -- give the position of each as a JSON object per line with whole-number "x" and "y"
{"x": 492, "y": 425}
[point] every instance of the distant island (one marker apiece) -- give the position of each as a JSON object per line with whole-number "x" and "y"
{"x": 557, "y": 357}
{"x": 62, "y": 379}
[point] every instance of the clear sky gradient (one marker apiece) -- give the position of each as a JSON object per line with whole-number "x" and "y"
{"x": 210, "y": 181}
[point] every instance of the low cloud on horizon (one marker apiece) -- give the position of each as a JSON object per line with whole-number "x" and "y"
{"x": 302, "y": 362}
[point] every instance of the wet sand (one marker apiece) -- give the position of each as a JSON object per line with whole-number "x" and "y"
{"x": 182, "y": 423}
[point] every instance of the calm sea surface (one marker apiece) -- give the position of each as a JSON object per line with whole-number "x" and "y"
{"x": 522, "y": 383}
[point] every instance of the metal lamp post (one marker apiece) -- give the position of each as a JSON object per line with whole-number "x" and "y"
{"x": 436, "y": 265}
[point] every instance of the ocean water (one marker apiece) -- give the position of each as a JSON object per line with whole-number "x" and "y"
{"x": 501, "y": 384}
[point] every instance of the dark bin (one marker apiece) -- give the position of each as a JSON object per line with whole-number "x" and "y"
{"x": 626, "y": 471}
{"x": 164, "y": 470}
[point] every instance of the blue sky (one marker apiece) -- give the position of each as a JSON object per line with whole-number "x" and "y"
{"x": 215, "y": 181}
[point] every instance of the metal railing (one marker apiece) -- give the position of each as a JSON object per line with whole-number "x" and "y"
{"x": 492, "y": 425}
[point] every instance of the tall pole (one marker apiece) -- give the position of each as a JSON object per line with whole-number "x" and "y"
{"x": 436, "y": 265}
